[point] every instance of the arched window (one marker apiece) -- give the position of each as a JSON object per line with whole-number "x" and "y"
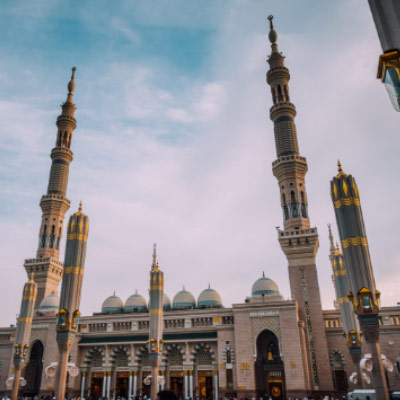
{"x": 228, "y": 357}
{"x": 273, "y": 95}
{"x": 52, "y": 236}
{"x": 44, "y": 236}
{"x": 280, "y": 97}
{"x": 283, "y": 199}
{"x": 175, "y": 358}
{"x": 292, "y": 196}
{"x": 121, "y": 359}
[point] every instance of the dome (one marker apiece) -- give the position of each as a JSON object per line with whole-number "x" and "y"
{"x": 112, "y": 305}
{"x": 209, "y": 298}
{"x": 166, "y": 302}
{"x": 264, "y": 286}
{"x": 184, "y": 299}
{"x": 50, "y": 304}
{"x": 135, "y": 303}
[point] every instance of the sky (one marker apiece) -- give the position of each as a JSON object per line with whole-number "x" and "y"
{"x": 174, "y": 144}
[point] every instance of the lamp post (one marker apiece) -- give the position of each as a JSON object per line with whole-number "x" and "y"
{"x": 24, "y": 326}
{"x": 363, "y": 294}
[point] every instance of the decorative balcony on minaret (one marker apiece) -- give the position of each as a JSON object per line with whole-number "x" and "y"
{"x": 46, "y": 266}
{"x": 68, "y": 315}
{"x": 298, "y": 241}
{"x": 22, "y": 337}
{"x": 155, "y": 342}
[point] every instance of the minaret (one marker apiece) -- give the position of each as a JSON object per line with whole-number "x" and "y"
{"x": 363, "y": 293}
{"x": 299, "y": 242}
{"x": 68, "y": 315}
{"x": 24, "y": 325}
{"x": 351, "y": 329}
{"x": 54, "y": 204}
{"x": 156, "y": 322}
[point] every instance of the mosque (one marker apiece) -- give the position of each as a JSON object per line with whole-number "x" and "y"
{"x": 264, "y": 346}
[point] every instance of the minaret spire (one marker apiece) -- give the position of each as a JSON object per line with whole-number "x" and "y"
{"x": 54, "y": 204}
{"x": 298, "y": 241}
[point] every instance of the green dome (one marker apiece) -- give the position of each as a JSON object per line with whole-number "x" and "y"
{"x": 135, "y": 303}
{"x": 50, "y": 304}
{"x": 184, "y": 299}
{"x": 166, "y": 303}
{"x": 264, "y": 287}
{"x": 112, "y": 305}
{"x": 209, "y": 298}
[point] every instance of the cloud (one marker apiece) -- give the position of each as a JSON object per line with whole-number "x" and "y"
{"x": 166, "y": 155}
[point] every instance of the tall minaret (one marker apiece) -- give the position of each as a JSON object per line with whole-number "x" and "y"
{"x": 54, "y": 204}
{"x": 68, "y": 315}
{"x": 299, "y": 242}
{"x": 24, "y": 325}
{"x": 351, "y": 329}
{"x": 156, "y": 322}
{"x": 363, "y": 293}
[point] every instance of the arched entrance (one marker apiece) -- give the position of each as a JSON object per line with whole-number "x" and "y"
{"x": 339, "y": 374}
{"x": 33, "y": 371}
{"x": 270, "y": 378}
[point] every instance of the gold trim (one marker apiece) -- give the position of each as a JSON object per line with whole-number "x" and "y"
{"x": 347, "y": 202}
{"x": 343, "y": 300}
{"x": 153, "y": 312}
{"x": 340, "y": 272}
{"x": 354, "y": 242}
{"x": 24, "y": 319}
{"x": 77, "y": 236}
{"x": 74, "y": 270}
{"x": 28, "y": 298}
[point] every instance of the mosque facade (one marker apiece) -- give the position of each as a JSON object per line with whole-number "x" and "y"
{"x": 264, "y": 346}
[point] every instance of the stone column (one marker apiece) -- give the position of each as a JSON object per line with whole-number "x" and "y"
{"x": 186, "y": 383}
{"x": 135, "y": 382}
{"x": 83, "y": 384}
{"x": 103, "y": 391}
{"x": 17, "y": 376}
{"x": 130, "y": 385}
{"x": 154, "y": 378}
{"x": 65, "y": 341}
{"x": 108, "y": 384}
{"x": 216, "y": 384}
{"x": 191, "y": 383}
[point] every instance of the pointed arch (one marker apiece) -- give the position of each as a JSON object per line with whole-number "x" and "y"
{"x": 120, "y": 356}
{"x": 202, "y": 349}
{"x": 94, "y": 357}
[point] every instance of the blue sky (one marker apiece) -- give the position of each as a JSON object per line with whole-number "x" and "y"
{"x": 174, "y": 144}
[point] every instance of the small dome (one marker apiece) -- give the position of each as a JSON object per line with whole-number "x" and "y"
{"x": 112, "y": 305}
{"x": 264, "y": 286}
{"x": 166, "y": 302}
{"x": 135, "y": 303}
{"x": 209, "y": 298}
{"x": 184, "y": 299}
{"x": 50, "y": 304}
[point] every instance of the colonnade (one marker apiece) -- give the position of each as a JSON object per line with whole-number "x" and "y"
{"x": 110, "y": 376}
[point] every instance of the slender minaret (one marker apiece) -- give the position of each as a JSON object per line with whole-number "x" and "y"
{"x": 54, "y": 204}
{"x": 363, "y": 293}
{"x": 156, "y": 322}
{"x": 351, "y": 329}
{"x": 299, "y": 242}
{"x": 68, "y": 315}
{"x": 24, "y": 325}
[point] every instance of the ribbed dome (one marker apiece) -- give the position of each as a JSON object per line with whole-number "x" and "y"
{"x": 184, "y": 299}
{"x": 166, "y": 302}
{"x": 50, "y": 304}
{"x": 209, "y": 298}
{"x": 135, "y": 303}
{"x": 112, "y": 304}
{"x": 264, "y": 286}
